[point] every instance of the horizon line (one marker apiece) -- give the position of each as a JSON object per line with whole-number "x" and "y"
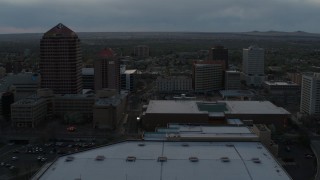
{"x": 204, "y": 32}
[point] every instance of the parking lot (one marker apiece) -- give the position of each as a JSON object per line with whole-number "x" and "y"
{"x": 298, "y": 160}
{"x": 18, "y": 160}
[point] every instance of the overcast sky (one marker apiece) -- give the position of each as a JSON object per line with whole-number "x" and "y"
{"x": 24, "y": 16}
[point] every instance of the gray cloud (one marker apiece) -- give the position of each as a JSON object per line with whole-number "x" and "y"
{"x": 164, "y": 15}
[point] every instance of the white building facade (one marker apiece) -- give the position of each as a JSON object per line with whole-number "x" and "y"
{"x": 310, "y": 94}
{"x": 253, "y": 66}
{"x": 128, "y": 80}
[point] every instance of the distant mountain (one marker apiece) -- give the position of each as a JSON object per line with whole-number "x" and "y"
{"x": 281, "y": 33}
{"x": 297, "y": 35}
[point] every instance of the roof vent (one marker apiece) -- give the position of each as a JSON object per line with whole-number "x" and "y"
{"x": 141, "y": 144}
{"x": 69, "y": 158}
{"x": 256, "y": 160}
{"x": 193, "y": 159}
{"x": 131, "y": 158}
{"x": 229, "y": 145}
{"x": 162, "y": 159}
{"x": 185, "y": 144}
{"x": 225, "y": 159}
{"x": 100, "y": 158}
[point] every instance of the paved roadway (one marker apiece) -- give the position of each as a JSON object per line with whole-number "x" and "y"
{"x": 302, "y": 168}
{"x": 315, "y": 145}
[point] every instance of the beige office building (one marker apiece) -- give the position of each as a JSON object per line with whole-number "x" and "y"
{"x": 28, "y": 112}
{"x": 105, "y": 109}
{"x": 208, "y": 76}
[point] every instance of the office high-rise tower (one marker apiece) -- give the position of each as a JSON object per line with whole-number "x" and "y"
{"x": 207, "y": 76}
{"x": 219, "y": 53}
{"x": 141, "y": 51}
{"x": 107, "y": 71}
{"x": 253, "y": 66}
{"x": 61, "y": 61}
{"x": 310, "y": 94}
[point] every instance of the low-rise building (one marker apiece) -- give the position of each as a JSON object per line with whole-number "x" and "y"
{"x": 189, "y": 132}
{"x": 280, "y": 87}
{"x": 295, "y": 77}
{"x": 285, "y": 94}
{"x": 23, "y": 84}
{"x": 159, "y": 113}
{"x": 108, "y": 112}
{"x": 264, "y": 134}
{"x": 174, "y": 84}
{"x": 28, "y": 112}
{"x": 74, "y": 104}
{"x": 73, "y": 108}
{"x": 236, "y": 94}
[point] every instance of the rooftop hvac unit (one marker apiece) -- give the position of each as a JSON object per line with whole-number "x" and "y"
{"x": 256, "y": 160}
{"x": 185, "y": 144}
{"x": 131, "y": 158}
{"x": 193, "y": 159}
{"x": 162, "y": 159}
{"x": 225, "y": 159}
{"x": 100, "y": 158}
{"x": 69, "y": 158}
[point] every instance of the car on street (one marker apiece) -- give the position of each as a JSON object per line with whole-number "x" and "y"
{"x": 308, "y": 156}
{"x": 288, "y": 149}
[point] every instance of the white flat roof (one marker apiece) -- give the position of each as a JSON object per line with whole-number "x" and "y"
{"x": 280, "y": 83}
{"x": 131, "y": 71}
{"x": 212, "y": 129}
{"x": 178, "y": 166}
{"x": 254, "y": 107}
{"x": 213, "y": 133}
{"x": 173, "y": 106}
{"x": 234, "y": 107}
